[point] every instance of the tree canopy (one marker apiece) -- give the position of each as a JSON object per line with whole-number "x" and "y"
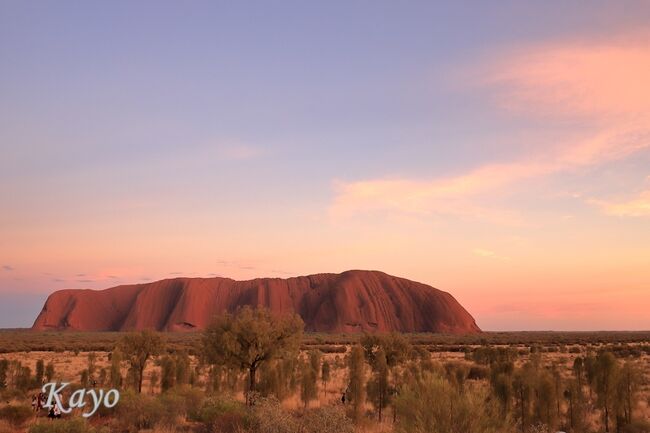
{"x": 138, "y": 348}
{"x": 251, "y": 337}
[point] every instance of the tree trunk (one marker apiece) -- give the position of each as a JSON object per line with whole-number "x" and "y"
{"x": 252, "y": 372}
{"x": 628, "y": 389}
{"x": 523, "y": 412}
{"x": 140, "y": 379}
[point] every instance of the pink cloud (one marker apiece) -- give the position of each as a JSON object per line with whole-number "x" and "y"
{"x": 606, "y": 84}
{"x": 577, "y": 79}
{"x": 636, "y": 207}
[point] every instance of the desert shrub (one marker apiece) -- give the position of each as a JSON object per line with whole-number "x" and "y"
{"x": 269, "y": 417}
{"x": 49, "y": 372}
{"x": 224, "y": 415}
{"x": 308, "y": 383}
{"x": 478, "y": 373}
{"x": 16, "y": 415}
{"x": 40, "y": 372}
{"x": 183, "y": 402}
{"x": 329, "y": 419}
{"x": 70, "y": 425}
{"x": 138, "y": 411}
{"x": 23, "y": 377}
{"x": 168, "y": 372}
{"x": 182, "y": 373}
{"x": 432, "y": 405}
{"x": 9, "y": 394}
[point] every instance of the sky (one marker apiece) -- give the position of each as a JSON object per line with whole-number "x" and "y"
{"x": 499, "y": 151}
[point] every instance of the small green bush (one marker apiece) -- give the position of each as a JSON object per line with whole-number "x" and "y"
{"x": 224, "y": 415}
{"x": 183, "y": 401}
{"x": 138, "y": 411}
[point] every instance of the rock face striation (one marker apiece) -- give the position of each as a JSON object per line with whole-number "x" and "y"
{"x": 353, "y": 301}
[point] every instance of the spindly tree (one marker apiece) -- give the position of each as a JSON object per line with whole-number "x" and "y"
{"x": 40, "y": 372}
{"x": 308, "y": 384}
{"x": 377, "y": 387}
{"x": 116, "y": 368}
{"x": 605, "y": 381}
{"x": 4, "y": 368}
{"x": 629, "y": 381}
{"x": 384, "y": 353}
{"x": 92, "y": 364}
{"x": 168, "y": 372}
{"x": 250, "y": 338}
{"x": 49, "y": 371}
{"x": 523, "y": 391}
{"x": 315, "y": 356}
{"x": 578, "y": 371}
{"x": 183, "y": 367}
{"x": 138, "y": 348}
{"x": 325, "y": 374}
{"x": 546, "y": 399}
{"x": 356, "y": 388}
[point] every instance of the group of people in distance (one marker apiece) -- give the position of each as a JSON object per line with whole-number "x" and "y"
{"x": 38, "y": 403}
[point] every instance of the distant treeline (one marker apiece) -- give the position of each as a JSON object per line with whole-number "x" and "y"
{"x": 25, "y": 340}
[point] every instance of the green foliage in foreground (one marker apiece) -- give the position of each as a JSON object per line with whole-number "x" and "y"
{"x": 433, "y": 405}
{"x": 492, "y": 388}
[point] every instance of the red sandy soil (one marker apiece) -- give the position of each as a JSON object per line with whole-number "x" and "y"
{"x": 352, "y": 301}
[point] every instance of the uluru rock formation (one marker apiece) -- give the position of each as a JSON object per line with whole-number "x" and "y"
{"x": 352, "y": 301}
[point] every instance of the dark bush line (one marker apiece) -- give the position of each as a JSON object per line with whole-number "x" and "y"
{"x": 616, "y": 342}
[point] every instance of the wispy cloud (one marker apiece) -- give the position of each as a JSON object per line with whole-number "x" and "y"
{"x": 606, "y": 86}
{"x": 481, "y": 252}
{"x": 261, "y": 270}
{"x": 8, "y": 268}
{"x": 571, "y": 79}
{"x": 454, "y": 195}
{"x": 636, "y": 207}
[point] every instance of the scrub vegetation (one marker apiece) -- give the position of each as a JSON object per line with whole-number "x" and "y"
{"x": 256, "y": 372}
